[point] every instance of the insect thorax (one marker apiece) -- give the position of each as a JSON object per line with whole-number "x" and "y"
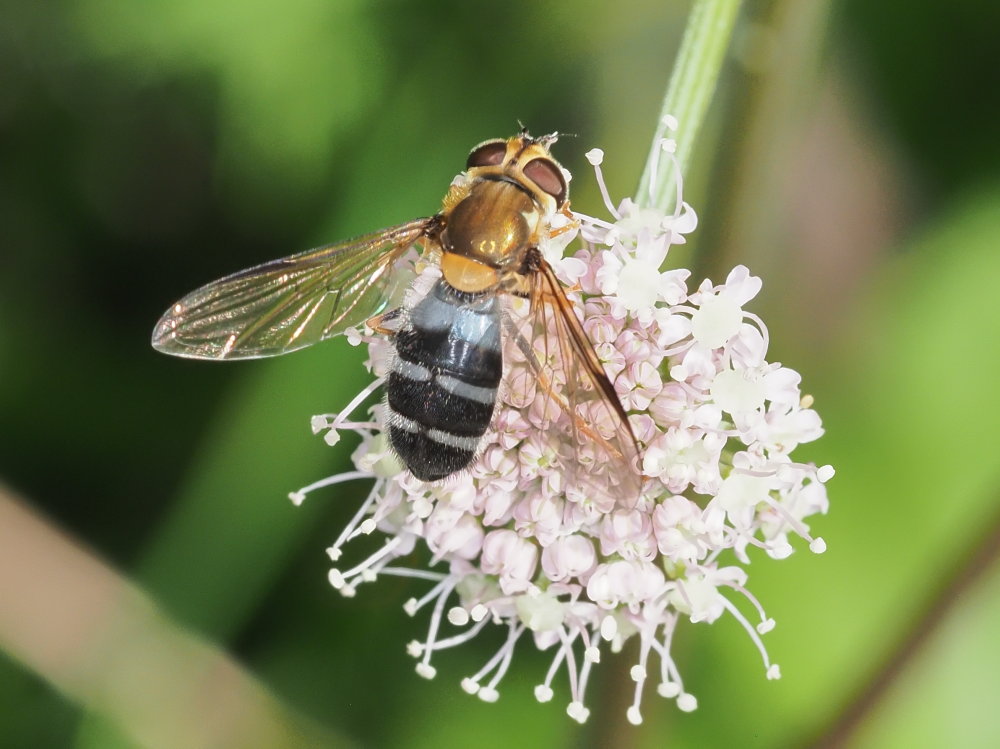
{"x": 487, "y": 233}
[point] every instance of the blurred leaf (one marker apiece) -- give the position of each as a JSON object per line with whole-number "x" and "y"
{"x": 233, "y": 527}
{"x": 288, "y": 76}
{"x": 946, "y": 697}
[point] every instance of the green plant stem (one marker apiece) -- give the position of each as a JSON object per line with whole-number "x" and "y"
{"x": 696, "y": 72}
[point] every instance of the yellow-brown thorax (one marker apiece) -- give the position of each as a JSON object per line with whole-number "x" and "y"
{"x": 512, "y": 188}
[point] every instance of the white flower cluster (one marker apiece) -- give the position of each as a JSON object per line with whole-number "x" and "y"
{"x": 513, "y": 544}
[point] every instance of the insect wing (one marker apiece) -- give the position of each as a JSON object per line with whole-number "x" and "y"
{"x": 288, "y": 304}
{"x": 573, "y": 397}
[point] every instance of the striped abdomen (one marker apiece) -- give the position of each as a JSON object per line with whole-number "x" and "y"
{"x": 443, "y": 384}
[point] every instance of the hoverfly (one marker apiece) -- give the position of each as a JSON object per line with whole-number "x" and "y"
{"x": 442, "y": 388}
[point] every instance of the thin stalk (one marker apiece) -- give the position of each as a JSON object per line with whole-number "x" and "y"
{"x": 692, "y": 84}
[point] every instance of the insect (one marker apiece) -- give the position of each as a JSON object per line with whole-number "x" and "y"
{"x": 443, "y": 384}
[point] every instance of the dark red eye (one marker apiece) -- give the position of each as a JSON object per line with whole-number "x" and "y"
{"x": 548, "y": 176}
{"x": 490, "y": 153}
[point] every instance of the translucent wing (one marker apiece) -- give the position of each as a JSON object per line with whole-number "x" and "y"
{"x": 290, "y": 303}
{"x": 573, "y": 397}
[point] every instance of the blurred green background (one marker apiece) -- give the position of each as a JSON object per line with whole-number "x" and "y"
{"x": 851, "y": 159}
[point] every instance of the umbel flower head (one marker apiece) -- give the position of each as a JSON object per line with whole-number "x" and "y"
{"x": 513, "y": 544}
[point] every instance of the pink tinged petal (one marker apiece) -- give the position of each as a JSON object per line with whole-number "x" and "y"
{"x": 450, "y": 531}
{"x": 652, "y": 248}
{"x": 643, "y": 427}
{"x": 497, "y": 507}
{"x": 781, "y": 385}
{"x": 740, "y": 492}
{"x": 748, "y": 348}
{"x": 569, "y": 557}
{"x": 538, "y": 517}
{"x": 608, "y": 273}
{"x": 686, "y": 222}
{"x": 600, "y": 329}
{"x": 631, "y": 583}
{"x": 670, "y": 405}
{"x": 628, "y": 533}
{"x": 707, "y": 417}
{"x": 680, "y": 530}
{"x": 671, "y": 327}
{"x": 673, "y": 288}
{"x": 697, "y": 367}
{"x": 699, "y": 599}
{"x": 740, "y": 286}
{"x": 786, "y": 432}
{"x": 655, "y": 458}
{"x": 510, "y": 557}
{"x": 520, "y": 387}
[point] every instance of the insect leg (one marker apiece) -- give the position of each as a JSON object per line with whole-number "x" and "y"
{"x": 388, "y": 323}
{"x": 572, "y": 222}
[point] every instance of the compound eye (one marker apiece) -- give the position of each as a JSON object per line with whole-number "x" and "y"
{"x": 548, "y": 176}
{"x": 490, "y": 153}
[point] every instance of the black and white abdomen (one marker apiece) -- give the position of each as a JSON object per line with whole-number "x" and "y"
{"x": 442, "y": 387}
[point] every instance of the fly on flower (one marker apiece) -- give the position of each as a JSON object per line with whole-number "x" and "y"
{"x": 449, "y": 344}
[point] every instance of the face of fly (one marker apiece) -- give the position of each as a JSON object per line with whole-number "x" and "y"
{"x": 525, "y": 161}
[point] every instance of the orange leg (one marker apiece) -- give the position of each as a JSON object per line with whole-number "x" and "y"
{"x": 385, "y": 324}
{"x": 573, "y": 223}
